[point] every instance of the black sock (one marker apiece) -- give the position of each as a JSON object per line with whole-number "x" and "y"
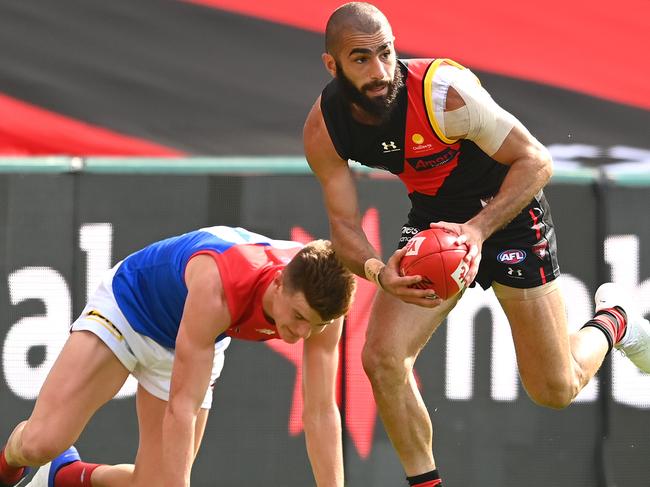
{"x": 429, "y": 479}
{"x": 612, "y": 322}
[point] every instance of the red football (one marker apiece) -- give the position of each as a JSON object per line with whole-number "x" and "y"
{"x": 434, "y": 255}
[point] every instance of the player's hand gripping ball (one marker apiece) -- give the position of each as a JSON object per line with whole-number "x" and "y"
{"x": 434, "y": 255}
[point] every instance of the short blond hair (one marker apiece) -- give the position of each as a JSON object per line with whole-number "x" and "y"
{"x": 316, "y": 271}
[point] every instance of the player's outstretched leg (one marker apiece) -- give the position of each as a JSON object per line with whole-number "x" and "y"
{"x": 44, "y": 476}
{"x": 633, "y": 330}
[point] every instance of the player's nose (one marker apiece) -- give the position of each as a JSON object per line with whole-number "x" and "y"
{"x": 302, "y": 329}
{"x": 378, "y": 69}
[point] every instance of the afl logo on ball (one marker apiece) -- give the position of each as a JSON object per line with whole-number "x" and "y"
{"x": 511, "y": 256}
{"x": 413, "y": 246}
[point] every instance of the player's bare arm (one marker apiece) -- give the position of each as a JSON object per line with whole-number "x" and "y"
{"x": 340, "y": 196}
{"x": 205, "y": 306}
{"x": 530, "y": 169}
{"x": 339, "y": 193}
{"x": 321, "y": 416}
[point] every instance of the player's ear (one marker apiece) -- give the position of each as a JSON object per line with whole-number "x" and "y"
{"x": 330, "y": 63}
{"x": 277, "y": 279}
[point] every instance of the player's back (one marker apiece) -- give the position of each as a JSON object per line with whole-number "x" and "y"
{"x": 149, "y": 285}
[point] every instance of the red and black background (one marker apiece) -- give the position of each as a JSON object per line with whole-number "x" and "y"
{"x": 219, "y": 77}
{"x": 226, "y": 78}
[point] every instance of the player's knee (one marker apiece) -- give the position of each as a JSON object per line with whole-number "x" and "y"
{"x": 383, "y": 367}
{"x": 37, "y": 449}
{"x": 38, "y": 453}
{"x": 554, "y": 394}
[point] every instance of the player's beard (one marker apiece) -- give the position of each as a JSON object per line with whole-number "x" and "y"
{"x": 379, "y": 107}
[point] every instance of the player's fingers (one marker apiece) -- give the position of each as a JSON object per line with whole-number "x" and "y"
{"x": 411, "y": 292}
{"x": 472, "y": 263}
{"x": 471, "y": 253}
{"x": 397, "y": 255}
{"x": 447, "y": 226}
{"x": 477, "y": 264}
{"x": 406, "y": 281}
{"x": 473, "y": 270}
{"x": 424, "y": 302}
{"x": 469, "y": 277}
{"x": 468, "y": 258}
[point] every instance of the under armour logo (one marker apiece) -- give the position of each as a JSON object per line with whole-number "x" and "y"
{"x": 486, "y": 201}
{"x": 389, "y": 146}
{"x": 515, "y": 272}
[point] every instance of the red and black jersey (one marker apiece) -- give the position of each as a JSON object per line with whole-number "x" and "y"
{"x": 446, "y": 179}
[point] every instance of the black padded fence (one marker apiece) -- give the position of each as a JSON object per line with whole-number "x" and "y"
{"x": 59, "y": 231}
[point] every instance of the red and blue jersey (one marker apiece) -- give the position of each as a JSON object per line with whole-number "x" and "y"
{"x": 149, "y": 285}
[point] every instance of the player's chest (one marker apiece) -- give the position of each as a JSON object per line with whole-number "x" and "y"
{"x": 406, "y": 142}
{"x": 253, "y": 330}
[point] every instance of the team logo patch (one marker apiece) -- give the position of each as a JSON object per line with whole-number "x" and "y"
{"x": 512, "y": 256}
{"x": 266, "y": 331}
{"x": 540, "y": 249}
{"x": 389, "y": 146}
{"x": 515, "y": 273}
{"x": 417, "y": 138}
{"x": 434, "y": 160}
{"x": 486, "y": 201}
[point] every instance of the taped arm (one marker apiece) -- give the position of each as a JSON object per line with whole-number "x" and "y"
{"x": 472, "y": 114}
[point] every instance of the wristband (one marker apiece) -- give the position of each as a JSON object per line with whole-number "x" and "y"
{"x": 372, "y": 268}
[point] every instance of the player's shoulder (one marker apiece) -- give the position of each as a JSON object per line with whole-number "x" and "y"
{"x": 318, "y": 142}
{"x": 439, "y": 74}
{"x": 314, "y": 123}
{"x": 202, "y": 273}
{"x": 448, "y": 71}
{"x": 447, "y": 78}
{"x": 441, "y": 63}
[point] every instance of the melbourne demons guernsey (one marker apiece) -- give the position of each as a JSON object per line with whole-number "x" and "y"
{"x": 446, "y": 179}
{"x": 149, "y": 285}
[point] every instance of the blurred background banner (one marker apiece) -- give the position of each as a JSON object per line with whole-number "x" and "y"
{"x": 226, "y": 77}
{"x": 207, "y": 98}
{"x": 59, "y": 230}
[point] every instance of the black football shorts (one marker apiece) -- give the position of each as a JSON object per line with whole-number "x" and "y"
{"x": 523, "y": 254}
